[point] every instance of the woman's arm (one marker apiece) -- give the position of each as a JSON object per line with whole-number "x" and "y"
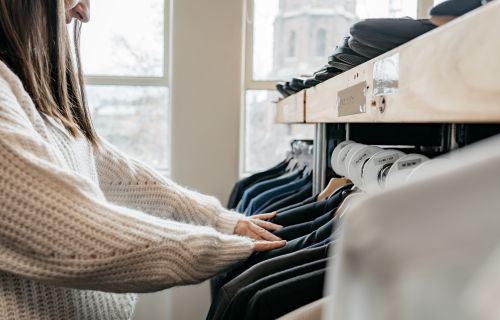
{"x": 130, "y": 183}
{"x": 57, "y": 227}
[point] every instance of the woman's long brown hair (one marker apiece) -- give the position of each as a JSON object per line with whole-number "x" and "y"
{"x": 35, "y": 45}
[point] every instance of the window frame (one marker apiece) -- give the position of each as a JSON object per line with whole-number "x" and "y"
{"x": 138, "y": 81}
{"x": 162, "y": 81}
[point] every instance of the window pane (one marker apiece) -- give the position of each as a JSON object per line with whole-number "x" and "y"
{"x": 124, "y": 38}
{"x": 266, "y": 142}
{"x": 288, "y": 39}
{"x": 134, "y": 119}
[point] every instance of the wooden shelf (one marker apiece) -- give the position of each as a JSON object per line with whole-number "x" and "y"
{"x": 292, "y": 109}
{"x": 449, "y": 75}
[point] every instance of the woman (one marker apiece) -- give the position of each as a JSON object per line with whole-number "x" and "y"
{"x": 81, "y": 225}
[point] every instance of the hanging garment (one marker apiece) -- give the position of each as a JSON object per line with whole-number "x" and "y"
{"x": 275, "y": 194}
{"x": 292, "y": 204}
{"x": 312, "y": 311}
{"x": 240, "y": 187}
{"x": 302, "y": 229}
{"x": 261, "y": 270}
{"x": 313, "y": 238}
{"x": 300, "y": 196}
{"x": 299, "y": 291}
{"x": 296, "y": 216}
{"x": 311, "y": 211}
{"x": 263, "y": 186}
{"x": 240, "y": 302}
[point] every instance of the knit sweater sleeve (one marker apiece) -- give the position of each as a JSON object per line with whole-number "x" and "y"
{"x": 56, "y": 226}
{"x": 130, "y": 183}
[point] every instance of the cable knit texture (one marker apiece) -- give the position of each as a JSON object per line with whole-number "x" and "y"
{"x": 82, "y": 229}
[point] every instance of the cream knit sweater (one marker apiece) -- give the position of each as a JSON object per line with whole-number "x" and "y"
{"x": 79, "y": 227}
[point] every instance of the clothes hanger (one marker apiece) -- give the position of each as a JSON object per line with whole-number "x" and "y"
{"x": 332, "y": 186}
{"x": 377, "y": 167}
{"x": 356, "y": 161}
{"x": 402, "y": 168}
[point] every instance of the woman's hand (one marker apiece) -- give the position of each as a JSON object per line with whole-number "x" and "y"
{"x": 258, "y": 229}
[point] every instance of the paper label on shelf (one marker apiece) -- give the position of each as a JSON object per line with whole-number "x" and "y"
{"x": 386, "y": 76}
{"x": 352, "y": 100}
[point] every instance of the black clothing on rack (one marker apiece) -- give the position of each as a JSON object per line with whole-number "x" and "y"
{"x": 299, "y": 291}
{"x": 262, "y": 270}
{"x": 296, "y": 205}
{"x": 302, "y": 195}
{"x": 308, "y": 227}
{"x": 311, "y": 211}
{"x": 315, "y": 237}
{"x": 240, "y": 301}
{"x": 302, "y": 229}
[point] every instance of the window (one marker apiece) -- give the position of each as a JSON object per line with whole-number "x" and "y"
{"x": 126, "y": 73}
{"x": 266, "y": 142}
{"x": 321, "y": 43}
{"x": 305, "y": 30}
{"x": 291, "y": 44}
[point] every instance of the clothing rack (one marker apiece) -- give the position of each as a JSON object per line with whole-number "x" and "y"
{"x": 442, "y": 78}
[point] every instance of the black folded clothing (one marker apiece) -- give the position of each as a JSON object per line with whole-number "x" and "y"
{"x": 327, "y": 72}
{"x": 281, "y": 88}
{"x": 336, "y": 63}
{"x": 345, "y": 54}
{"x": 454, "y": 8}
{"x": 311, "y": 82}
{"x": 289, "y": 88}
{"x": 387, "y": 34}
{"x": 298, "y": 83}
{"x": 364, "y": 50}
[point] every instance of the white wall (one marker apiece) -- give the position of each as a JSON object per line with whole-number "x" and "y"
{"x": 205, "y": 100}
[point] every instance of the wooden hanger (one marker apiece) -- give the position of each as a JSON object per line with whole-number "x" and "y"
{"x": 333, "y": 185}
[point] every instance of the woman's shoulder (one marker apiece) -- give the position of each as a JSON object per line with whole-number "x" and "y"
{"x": 10, "y": 82}
{"x": 14, "y": 100}
{"x": 6, "y": 74}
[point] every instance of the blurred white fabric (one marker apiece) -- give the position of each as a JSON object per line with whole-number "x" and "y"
{"x": 418, "y": 250}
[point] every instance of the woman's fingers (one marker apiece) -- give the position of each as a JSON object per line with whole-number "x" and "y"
{"x": 254, "y": 236}
{"x": 265, "y": 216}
{"x": 268, "y": 225}
{"x": 256, "y": 229}
{"x": 260, "y": 246}
{"x": 266, "y": 235}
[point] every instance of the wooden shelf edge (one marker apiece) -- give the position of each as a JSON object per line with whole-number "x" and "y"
{"x": 292, "y": 109}
{"x": 448, "y": 75}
